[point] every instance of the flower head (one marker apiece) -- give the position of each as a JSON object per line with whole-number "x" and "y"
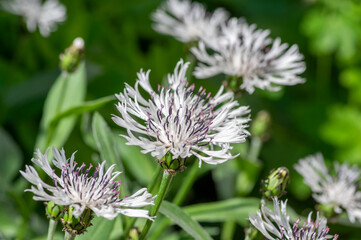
{"x": 77, "y": 188}
{"x": 274, "y": 225}
{"x": 35, "y": 13}
{"x": 178, "y": 121}
{"x": 339, "y": 191}
{"x": 187, "y": 21}
{"x": 244, "y": 52}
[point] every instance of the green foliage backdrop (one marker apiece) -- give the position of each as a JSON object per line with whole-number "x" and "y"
{"x": 321, "y": 115}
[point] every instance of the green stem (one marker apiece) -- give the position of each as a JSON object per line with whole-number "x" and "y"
{"x": 228, "y": 229}
{"x": 151, "y": 187}
{"x": 164, "y": 185}
{"x": 51, "y": 229}
{"x": 178, "y": 199}
{"x": 155, "y": 180}
{"x": 255, "y": 148}
{"x": 252, "y": 156}
{"x": 69, "y": 236}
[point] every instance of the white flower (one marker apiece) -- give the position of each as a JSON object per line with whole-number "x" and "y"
{"x": 180, "y": 120}
{"x": 274, "y": 225}
{"x": 78, "y": 187}
{"x": 35, "y": 13}
{"x": 248, "y": 53}
{"x": 187, "y": 21}
{"x": 338, "y": 191}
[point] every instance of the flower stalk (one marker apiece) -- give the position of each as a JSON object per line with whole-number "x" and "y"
{"x": 69, "y": 236}
{"x": 164, "y": 185}
{"x": 51, "y": 229}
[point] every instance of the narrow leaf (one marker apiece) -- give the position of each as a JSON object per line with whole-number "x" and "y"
{"x": 101, "y": 230}
{"x": 185, "y": 221}
{"x": 107, "y": 146}
{"x": 237, "y": 209}
{"x": 11, "y": 158}
{"x": 83, "y": 108}
{"x": 67, "y": 91}
{"x": 140, "y": 165}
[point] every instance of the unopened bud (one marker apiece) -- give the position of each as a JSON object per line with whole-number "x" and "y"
{"x": 53, "y": 211}
{"x": 276, "y": 183}
{"x": 327, "y": 210}
{"x": 76, "y": 225}
{"x": 134, "y": 234}
{"x": 260, "y": 124}
{"x": 72, "y": 56}
{"x": 172, "y": 165}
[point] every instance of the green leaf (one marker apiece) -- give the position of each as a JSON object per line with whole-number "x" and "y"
{"x": 68, "y": 91}
{"x": 237, "y": 209}
{"x": 107, "y": 146}
{"x": 11, "y": 158}
{"x": 139, "y": 164}
{"x": 87, "y": 132}
{"x": 182, "y": 219}
{"x": 343, "y": 130}
{"x": 101, "y": 229}
{"x": 83, "y": 108}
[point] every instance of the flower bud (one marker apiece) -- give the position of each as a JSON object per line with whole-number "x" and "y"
{"x": 327, "y": 209}
{"x": 53, "y": 211}
{"x": 134, "y": 234}
{"x": 76, "y": 225}
{"x": 276, "y": 182}
{"x": 260, "y": 124}
{"x": 72, "y": 56}
{"x": 172, "y": 165}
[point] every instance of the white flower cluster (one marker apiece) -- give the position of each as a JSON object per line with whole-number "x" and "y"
{"x": 339, "y": 191}
{"x": 231, "y": 46}
{"x": 181, "y": 121}
{"x": 45, "y": 15}
{"x": 79, "y": 188}
{"x": 275, "y": 225}
{"x": 187, "y": 21}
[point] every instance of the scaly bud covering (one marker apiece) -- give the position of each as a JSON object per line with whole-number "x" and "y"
{"x": 276, "y": 183}
{"x": 53, "y": 211}
{"x": 76, "y": 225}
{"x": 72, "y": 56}
{"x": 177, "y": 122}
{"x": 172, "y": 165}
{"x": 80, "y": 190}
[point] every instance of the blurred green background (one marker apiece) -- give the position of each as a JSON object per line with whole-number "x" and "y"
{"x": 322, "y": 115}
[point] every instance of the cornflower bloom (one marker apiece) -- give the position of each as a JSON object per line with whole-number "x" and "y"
{"x": 77, "y": 188}
{"x": 35, "y": 13}
{"x": 177, "y": 121}
{"x": 187, "y": 21}
{"x": 275, "y": 225}
{"x": 339, "y": 191}
{"x": 250, "y": 56}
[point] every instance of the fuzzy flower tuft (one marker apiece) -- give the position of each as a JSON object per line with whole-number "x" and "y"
{"x": 78, "y": 188}
{"x": 180, "y": 121}
{"x": 45, "y": 15}
{"x": 187, "y": 21}
{"x": 248, "y": 54}
{"x": 275, "y": 225}
{"x": 339, "y": 191}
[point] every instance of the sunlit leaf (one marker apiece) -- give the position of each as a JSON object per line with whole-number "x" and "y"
{"x": 185, "y": 221}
